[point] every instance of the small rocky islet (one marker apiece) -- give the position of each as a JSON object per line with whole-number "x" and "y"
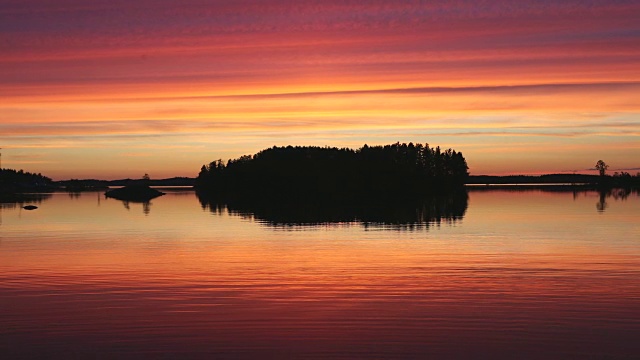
{"x": 134, "y": 193}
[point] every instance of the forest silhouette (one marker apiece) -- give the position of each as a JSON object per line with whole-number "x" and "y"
{"x": 329, "y": 173}
{"x": 14, "y": 183}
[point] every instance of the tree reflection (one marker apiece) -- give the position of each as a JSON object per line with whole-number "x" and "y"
{"x": 604, "y": 193}
{"x": 20, "y": 199}
{"x": 617, "y": 194}
{"x": 602, "y": 205}
{"x": 407, "y": 214}
{"x": 14, "y": 201}
{"x": 146, "y": 205}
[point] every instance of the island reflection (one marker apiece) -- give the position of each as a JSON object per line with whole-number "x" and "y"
{"x": 402, "y": 214}
{"x": 20, "y": 199}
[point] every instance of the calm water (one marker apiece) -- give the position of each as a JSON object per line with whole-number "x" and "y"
{"x": 502, "y": 274}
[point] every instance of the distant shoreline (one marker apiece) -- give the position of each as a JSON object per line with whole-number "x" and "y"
{"x": 580, "y": 180}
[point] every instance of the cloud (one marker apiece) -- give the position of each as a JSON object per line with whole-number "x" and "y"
{"x": 121, "y": 74}
{"x": 498, "y": 89}
{"x": 629, "y": 169}
{"x": 225, "y": 43}
{"x": 135, "y": 154}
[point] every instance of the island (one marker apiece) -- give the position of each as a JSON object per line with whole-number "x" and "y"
{"x": 137, "y": 192}
{"x": 309, "y": 173}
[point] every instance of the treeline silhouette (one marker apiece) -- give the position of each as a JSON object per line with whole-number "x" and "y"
{"x": 534, "y": 179}
{"x": 622, "y": 180}
{"x": 76, "y": 185}
{"x": 16, "y": 181}
{"x": 410, "y": 214}
{"x": 397, "y": 170}
{"x": 618, "y": 179}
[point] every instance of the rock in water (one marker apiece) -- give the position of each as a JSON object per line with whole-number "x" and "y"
{"x": 30, "y": 207}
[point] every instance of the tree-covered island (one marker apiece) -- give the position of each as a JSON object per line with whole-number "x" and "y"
{"x": 397, "y": 170}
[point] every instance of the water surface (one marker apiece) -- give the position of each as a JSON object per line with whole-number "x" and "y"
{"x": 500, "y": 274}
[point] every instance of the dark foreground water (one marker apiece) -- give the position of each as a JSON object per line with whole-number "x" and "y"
{"x": 502, "y": 274}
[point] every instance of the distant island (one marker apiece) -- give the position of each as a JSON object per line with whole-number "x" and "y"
{"x": 137, "y": 192}
{"x": 617, "y": 180}
{"x": 74, "y": 185}
{"x": 307, "y": 172}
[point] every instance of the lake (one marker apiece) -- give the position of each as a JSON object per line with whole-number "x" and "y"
{"x": 495, "y": 273}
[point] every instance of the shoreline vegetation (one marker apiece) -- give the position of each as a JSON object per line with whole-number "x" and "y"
{"x": 15, "y": 183}
{"x": 577, "y": 180}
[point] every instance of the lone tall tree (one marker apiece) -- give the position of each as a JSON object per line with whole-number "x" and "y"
{"x": 601, "y": 167}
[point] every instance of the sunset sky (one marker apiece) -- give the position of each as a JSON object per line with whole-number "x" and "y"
{"x": 115, "y": 89}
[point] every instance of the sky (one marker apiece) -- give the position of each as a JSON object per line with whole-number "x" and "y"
{"x": 116, "y": 89}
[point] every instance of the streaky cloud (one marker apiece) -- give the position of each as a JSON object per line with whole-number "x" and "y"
{"x": 489, "y": 89}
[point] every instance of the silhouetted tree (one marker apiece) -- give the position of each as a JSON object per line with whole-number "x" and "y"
{"x": 602, "y": 167}
{"x": 602, "y": 205}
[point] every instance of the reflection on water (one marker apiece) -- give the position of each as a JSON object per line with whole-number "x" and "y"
{"x": 146, "y": 205}
{"x": 616, "y": 194}
{"x": 407, "y": 214}
{"x": 529, "y": 274}
{"x": 576, "y": 191}
{"x": 20, "y": 200}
